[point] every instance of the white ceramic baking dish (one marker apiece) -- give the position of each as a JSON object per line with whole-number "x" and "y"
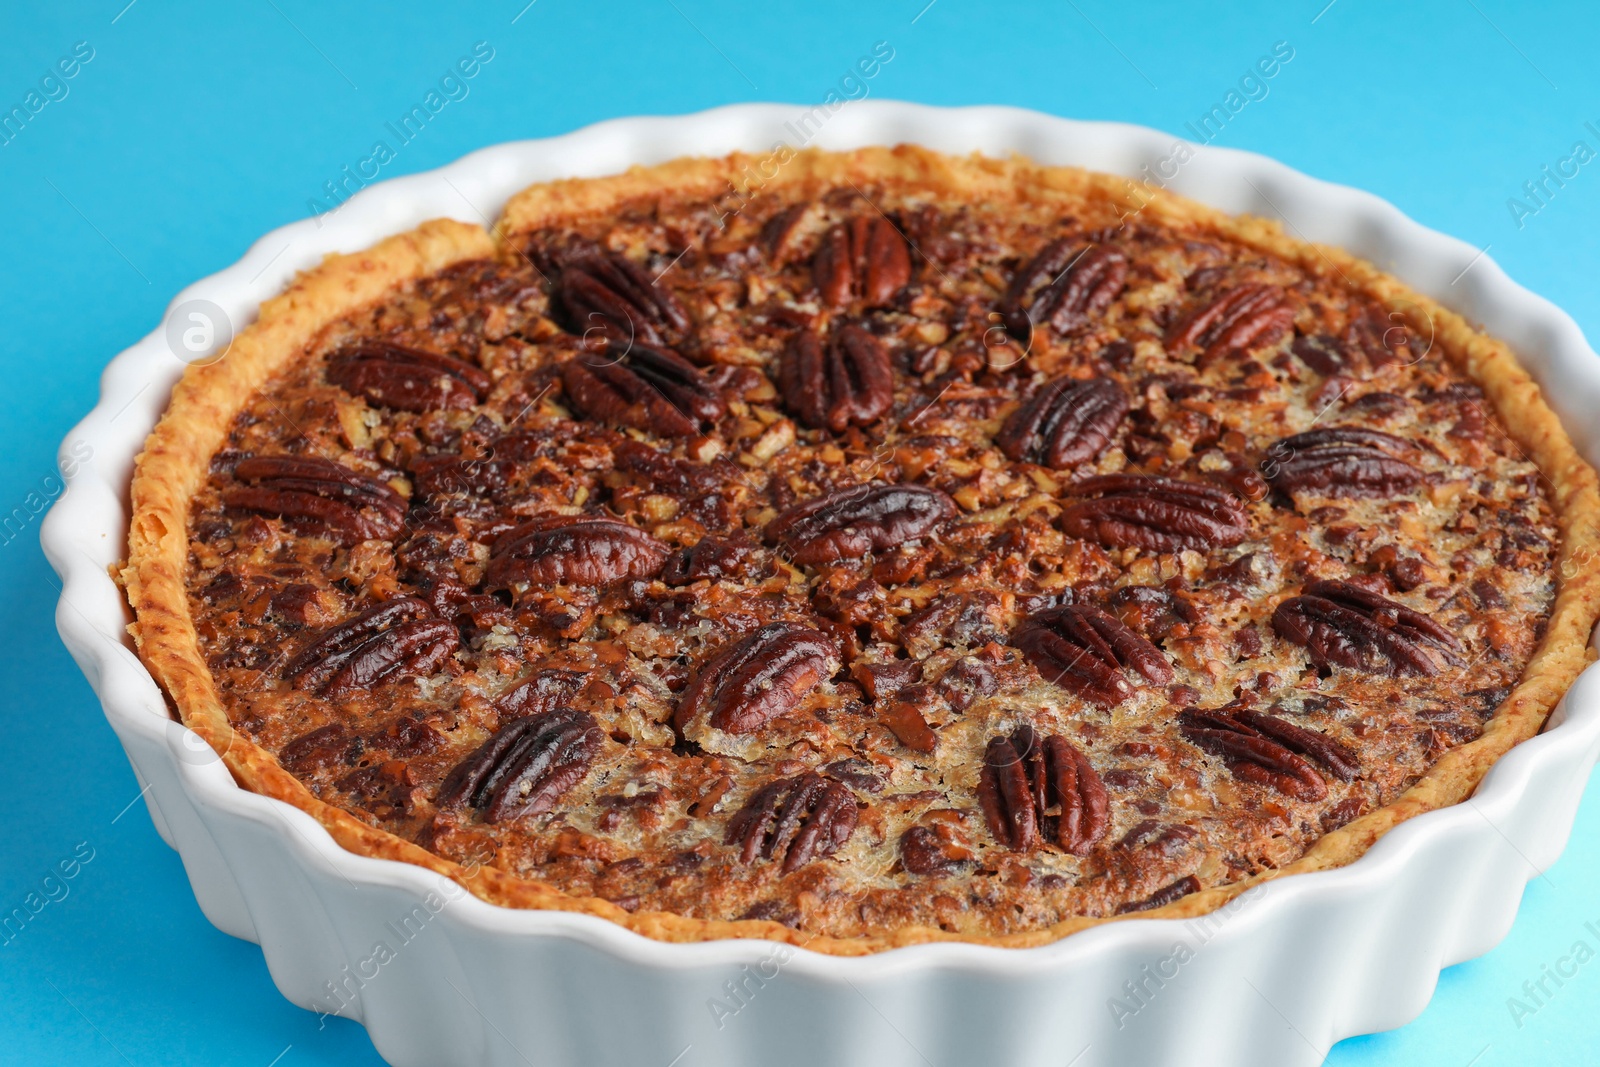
{"x": 439, "y": 977}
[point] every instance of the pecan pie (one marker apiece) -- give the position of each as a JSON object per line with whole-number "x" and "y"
{"x": 901, "y": 548}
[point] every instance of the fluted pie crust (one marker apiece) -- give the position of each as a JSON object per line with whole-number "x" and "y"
{"x": 176, "y": 465}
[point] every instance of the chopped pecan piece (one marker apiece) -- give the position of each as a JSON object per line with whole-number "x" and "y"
{"x": 1264, "y": 750}
{"x": 1243, "y": 318}
{"x": 1163, "y": 896}
{"x": 902, "y": 714}
{"x": 1343, "y": 461}
{"x": 1343, "y": 625}
{"x": 573, "y": 550}
{"x": 849, "y": 523}
{"x": 609, "y": 295}
{"x": 644, "y": 387}
{"x": 318, "y": 495}
{"x": 763, "y": 675}
{"x": 1066, "y": 422}
{"x": 1027, "y": 774}
{"x": 1325, "y": 354}
{"x": 1161, "y": 514}
{"x": 1083, "y": 649}
{"x": 407, "y": 379}
{"x": 865, "y": 260}
{"x": 801, "y": 819}
{"x": 486, "y": 474}
{"x": 710, "y": 558}
{"x": 847, "y": 380}
{"x": 1064, "y": 286}
{"x": 525, "y": 766}
{"x": 925, "y": 851}
{"x": 396, "y": 638}
{"x": 540, "y": 693}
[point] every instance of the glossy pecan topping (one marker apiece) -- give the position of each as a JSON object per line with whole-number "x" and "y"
{"x": 849, "y": 523}
{"x": 1025, "y": 776}
{"x": 487, "y": 474}
{"x": 1084, "y": 650}
{"x": 865, "y": 260}
{"x": 1344, "y": 461}
{"x": 1243, "y": 318}
{"x": 396, "y": 639}
{"x": 1267, "y": 750}
{"x": 927, "y": 851}
{"x": 318, "y": 495}
{"x": 1064, "y": 423}
{"x": 753, "y": 680}
{"x": 1163, "y": 896}
{"x": 1064, "y": 287}
{"x": 1161, "y": 514}
{"x": 573, "y": 550}
{"x": 608, "y": 295}
{"x": 647, "y": 388}
{"x": 1342, "y": 625}
{"x": 801, "y": 819}
{"x": 525, "y": 766}
{"x": 407, "y": 379}
{"x": 844, "y": 381}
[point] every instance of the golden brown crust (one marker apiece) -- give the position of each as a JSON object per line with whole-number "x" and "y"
{"x": 177, "y": 456}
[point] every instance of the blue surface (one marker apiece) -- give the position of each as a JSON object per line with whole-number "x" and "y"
{"x": 192, "y": 130}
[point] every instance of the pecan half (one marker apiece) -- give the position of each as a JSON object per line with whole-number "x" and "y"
{"x": 1162, "y": 514}
{"x": 1163, "y": 896}
{"x": 648, "y": 388}
{"x": 1064, "y": 286}
{"x": 1343, "y": 461}
{"x": 1082, "y": 649}
{"x": 865, "y": 260}
{"x": 1267, "y": 756}
{"x": 573, "y": 550}
{"x": 1243, "y": 318}
{"x": 845, "y": 381}
{"x": 319, "y": 495}
{"x": 487, "y": 474}
{"x": 753, "y": 680}
{"x": 1027, "y": 774}
{"x": 1064, "y": 422}
{"x": 396, "y": 638}
{"x": 407, "y": 379}
{"x": 610, "y": 295}
{"x": 540, "y": 693}
{"x": 801, "y": 819}
{"x": 849, "y": 523}
{"x": 525, "y": 766}
{"x": 1342, "y": 625}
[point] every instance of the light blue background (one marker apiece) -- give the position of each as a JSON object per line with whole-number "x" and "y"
{"x": 196, "y": 129}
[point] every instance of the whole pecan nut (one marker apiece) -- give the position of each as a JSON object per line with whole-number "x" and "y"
{"x": 407, "y": 379}
{"x": 765, "y": 674}
{"x": 1344, "y": 461}
{"x": 1027, "y": 774}
{"x": 1084, "y": 650}
{"x": 849, "y": 523}
{"x": 525, "y": 766}
{"x": 1343, "y": 625}
{"x": 1245, "y": 317}
{"x": 318, "y": 495}
{"x": 865, "y": 260}
{"x": 608, "y": 295}
{"x": 1161, "y": 514}
{"x": 805, "y": 818}
{"x": 644, "y": 387}
{"x": 398, "y": 638}
{"x": 1064, "y": 287}
{"x": 845, "y": 381}
{"x": 1064, "y": 423}
{"x": 573, "y": 550}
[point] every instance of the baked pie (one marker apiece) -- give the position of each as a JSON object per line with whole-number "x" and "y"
{"x": 898, "y": 549}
